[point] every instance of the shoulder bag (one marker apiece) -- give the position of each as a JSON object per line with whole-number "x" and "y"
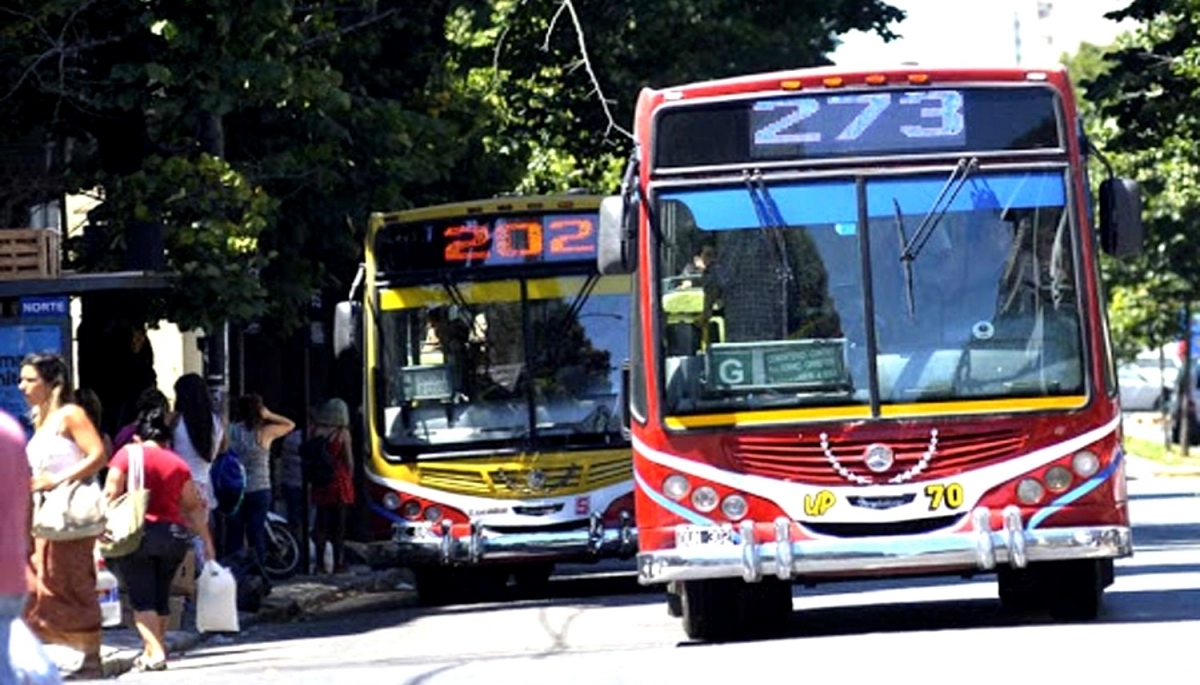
{"x": 72, "y": 510}
{"x": 127, "y": 513}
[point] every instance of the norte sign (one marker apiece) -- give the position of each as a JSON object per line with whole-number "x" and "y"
{"x": 45, "y": 305}
{"x": 801, "y": 364}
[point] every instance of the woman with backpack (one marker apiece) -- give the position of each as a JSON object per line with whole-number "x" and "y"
{"x": 251, "y": 433}
{"x": 333, "y": 498}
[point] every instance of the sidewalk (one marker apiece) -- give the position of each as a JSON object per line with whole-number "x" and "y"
{"x": 1140, "y": 468}
{"x": 288, "y": 599}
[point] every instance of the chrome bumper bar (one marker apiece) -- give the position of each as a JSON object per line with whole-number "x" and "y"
{"x": 436, "y": 543}
{"x": 981, "y": 548}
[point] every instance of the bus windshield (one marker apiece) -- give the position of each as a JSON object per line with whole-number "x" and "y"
{"x": 959, "y": 285}
{"x": 489, "y": 363}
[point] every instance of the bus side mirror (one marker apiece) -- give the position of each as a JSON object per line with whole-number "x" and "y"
{"x": 347, "y": 325}
{"x": 615, "y": 253}
{"x": 1121, "y": 230}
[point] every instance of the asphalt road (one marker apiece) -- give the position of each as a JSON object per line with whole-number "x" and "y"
{"x": 606, "y": 629}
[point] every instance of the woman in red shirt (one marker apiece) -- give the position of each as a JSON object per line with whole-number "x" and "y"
{"x": 175, "y": 507}
{"x": 334, "y": 500}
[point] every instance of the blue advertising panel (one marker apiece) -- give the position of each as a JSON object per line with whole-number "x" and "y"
{"x": 16, "y": 341}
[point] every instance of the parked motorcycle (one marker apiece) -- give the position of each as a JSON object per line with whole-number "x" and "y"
{"x": 283, "y": 550}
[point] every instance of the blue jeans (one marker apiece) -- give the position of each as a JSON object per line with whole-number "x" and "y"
{"x": 10, "y": 610}
{"x": 22, "y": 659}
{"x": 250, "y": 525}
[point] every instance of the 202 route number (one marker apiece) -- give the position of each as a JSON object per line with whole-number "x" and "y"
{"x": 944, "y": 496}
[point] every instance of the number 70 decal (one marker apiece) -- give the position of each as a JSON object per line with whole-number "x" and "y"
{"x": 944, "y": 496}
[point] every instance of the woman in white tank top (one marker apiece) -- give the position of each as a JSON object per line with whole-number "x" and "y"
{"x": 197, "y": 437}
{"x": 65, "y": 447}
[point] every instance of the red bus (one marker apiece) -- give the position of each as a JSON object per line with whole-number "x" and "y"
{"x": 871, "y": 339}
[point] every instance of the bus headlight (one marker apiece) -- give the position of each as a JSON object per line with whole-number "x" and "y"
{"x": 1029, "y": 491}
{"x": 391, "y": 501}
{"x": 1085, "y": 463}
{"x": 411, "y": 510}
{"x": 676, "y": 486}
{"x": 704, "y": 498}
{"x": 734, "y": 507}
{"x": 1058, "y": 478}
{"x": 433, "y": 513}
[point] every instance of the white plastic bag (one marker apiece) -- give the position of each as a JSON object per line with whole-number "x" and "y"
{"x": 216, "y": 600}
{"x": 30, "y": 663}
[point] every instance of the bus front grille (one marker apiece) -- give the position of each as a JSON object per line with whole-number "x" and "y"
{"x": 517, "y": 478}
{"x": 919, "y": 455}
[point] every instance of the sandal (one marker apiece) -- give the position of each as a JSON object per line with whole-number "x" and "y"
{"x": 142, "y": 664}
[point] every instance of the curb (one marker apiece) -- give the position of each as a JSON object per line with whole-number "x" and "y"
{"x": 287, "y": 602}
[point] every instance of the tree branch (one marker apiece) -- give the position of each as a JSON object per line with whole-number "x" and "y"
{"x": 58, "y": 48}
{"x": 566, "y": 6}
{"x": 57, "y": 51}
{"x": 373, "y": 19}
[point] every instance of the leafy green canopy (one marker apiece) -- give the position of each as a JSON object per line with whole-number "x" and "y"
{"x": 261, "y": 133}
{"x": 1141, "y": 95}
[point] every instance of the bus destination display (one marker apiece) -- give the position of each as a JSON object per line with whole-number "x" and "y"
{"x": 866, "y": 122}
{"x": 488, "y": 242}
{"x": 832, "y": 124}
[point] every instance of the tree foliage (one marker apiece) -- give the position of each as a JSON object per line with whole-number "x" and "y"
{"x": 550, "y": 94}
{"x": 261, "y": 133}
{"x": 1143, "y": 92}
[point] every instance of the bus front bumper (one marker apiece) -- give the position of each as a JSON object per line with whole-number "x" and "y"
{"x": 981, "y": 548}
{"x": 447, "y": 544}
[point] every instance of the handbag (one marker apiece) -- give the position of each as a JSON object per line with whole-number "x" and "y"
{"x": 127, "y": 514}
{"x": 72, "y": 510}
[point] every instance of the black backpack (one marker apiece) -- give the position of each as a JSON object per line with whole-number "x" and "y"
{"x": 316, "y": 458}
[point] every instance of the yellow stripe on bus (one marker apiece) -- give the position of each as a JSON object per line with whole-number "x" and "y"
{"x": 892, "y": 411}
{"x": 498, "y": 291}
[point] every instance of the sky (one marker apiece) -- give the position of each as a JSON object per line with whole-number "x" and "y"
{"x": 984, "y": 32}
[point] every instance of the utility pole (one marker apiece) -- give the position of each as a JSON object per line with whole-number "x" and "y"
{"x": 1184, "y": 409}
{"x": 305, "y": 431}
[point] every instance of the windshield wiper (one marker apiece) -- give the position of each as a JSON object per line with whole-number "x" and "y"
{"x": 771, "y": 220}
{"x": 941, "y": 204}
{"x": 581, "y": 297}
{"x": 457, "y": 298}
{"x": 906, "y": 264}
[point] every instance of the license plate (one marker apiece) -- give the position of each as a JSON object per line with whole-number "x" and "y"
{"x": 694, "y": 536}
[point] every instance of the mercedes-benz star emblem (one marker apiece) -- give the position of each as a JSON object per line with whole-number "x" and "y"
{"x": 879, "y": 458}
{"x": 536, "y": 479}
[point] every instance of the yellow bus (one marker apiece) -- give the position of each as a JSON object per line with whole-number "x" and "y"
{"x": 494, "y": 398}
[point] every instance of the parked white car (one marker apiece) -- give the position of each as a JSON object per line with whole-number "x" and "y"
{"x": 1138, "y": 391}
{"x": 1165, "y": 369}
